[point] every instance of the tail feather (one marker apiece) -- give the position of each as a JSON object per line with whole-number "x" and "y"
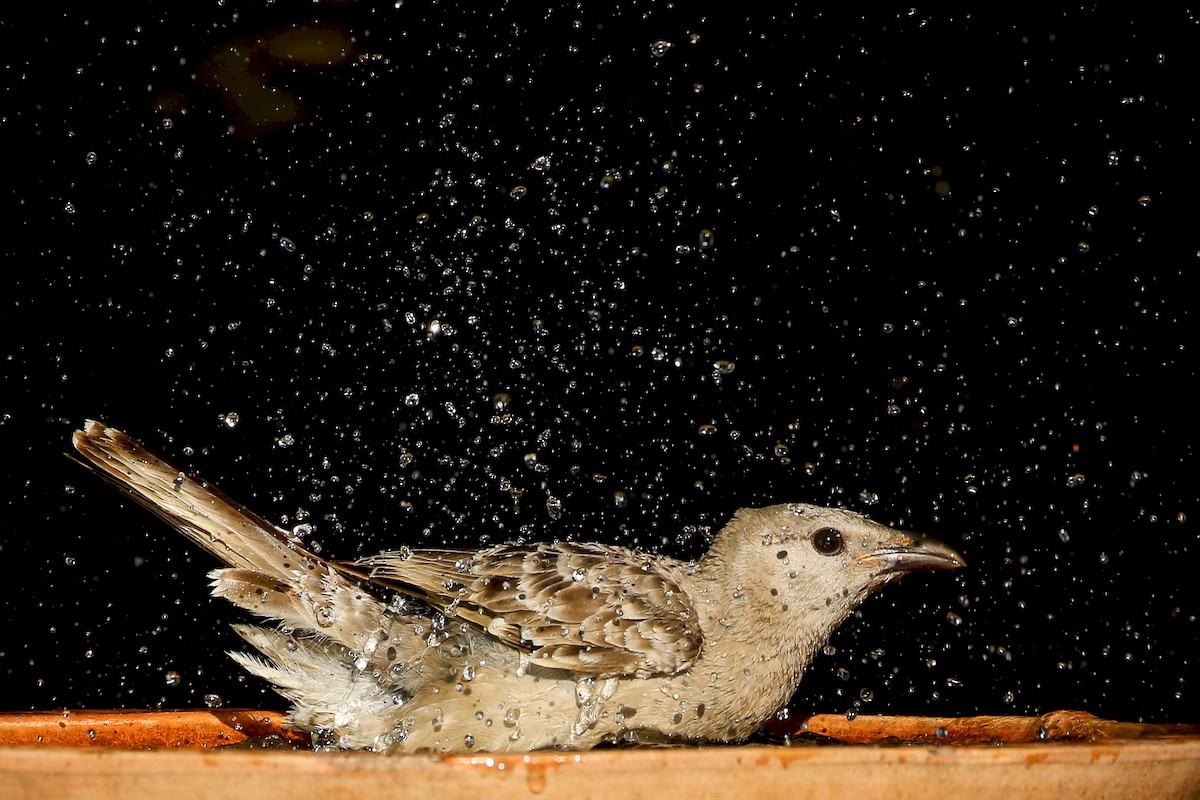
{"x": 198, "y": 510}
{"x": 343, "y": 657}
{"x": 268, "y": 571}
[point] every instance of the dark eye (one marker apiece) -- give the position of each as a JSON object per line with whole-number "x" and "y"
{"x": 827, "y": 541}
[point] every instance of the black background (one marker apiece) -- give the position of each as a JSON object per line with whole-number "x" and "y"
{"x": 497, "y": 270}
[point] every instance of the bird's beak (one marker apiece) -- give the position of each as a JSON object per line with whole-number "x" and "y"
{"x": 912, "y": 552}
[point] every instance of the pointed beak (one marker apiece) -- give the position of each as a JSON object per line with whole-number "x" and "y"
{"x": 913, "y": 552}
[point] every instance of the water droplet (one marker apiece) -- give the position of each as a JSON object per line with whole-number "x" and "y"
{"x": 707, "y": 239}
{"x": 554, "y": 507}
{"x": 468, "y": 673}
{"x": 213, "y": 700}
{"x": 173, "y": 678}
{"x": 287, "y": 244}
{"x": 723, "y": 367}
{"x": 953, "y": 619}
{"x": 231, "y": 419}
{"x": 412, "y": 400}
{"x": 90, "y": 158}
{"x": 500, "y": 401}
{"x": 866, "y": 695}
{"x": 518, "y": 192}
{"x": 1078, "y": 479}
{"x": 660, "y": 48}
{"x": 324, "y": 616}
{"x": 469, "y": 740}
{"x": 620, "y": 499}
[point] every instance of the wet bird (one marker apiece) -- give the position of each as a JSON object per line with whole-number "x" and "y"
{"x": 522, "y": 647}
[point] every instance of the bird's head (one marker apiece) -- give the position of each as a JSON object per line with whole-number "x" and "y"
{"x": 808, "y": 559}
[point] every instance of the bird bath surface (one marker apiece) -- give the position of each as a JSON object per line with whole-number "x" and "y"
{"x": 1165, "y": 769}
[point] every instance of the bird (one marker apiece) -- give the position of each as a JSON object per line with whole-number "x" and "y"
{"x": 521, "y": 647}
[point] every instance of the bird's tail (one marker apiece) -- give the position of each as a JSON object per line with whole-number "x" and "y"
{"x": 268, "y": 571}
{"x": 226, "y": 529}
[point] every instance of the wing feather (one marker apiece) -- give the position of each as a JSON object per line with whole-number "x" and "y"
{"x": 587, "y": 608}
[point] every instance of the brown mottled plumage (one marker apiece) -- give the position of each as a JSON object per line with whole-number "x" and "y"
{"x": 526, "y": 647}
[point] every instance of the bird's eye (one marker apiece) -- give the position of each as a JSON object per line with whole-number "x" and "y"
{"x": 828, "y": 541}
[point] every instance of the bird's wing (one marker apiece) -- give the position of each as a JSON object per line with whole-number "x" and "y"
{"x": 582, "y": 607}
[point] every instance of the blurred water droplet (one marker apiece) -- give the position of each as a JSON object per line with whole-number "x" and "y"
{"x": 173, "y": 678}
{"x": 660, "y": 48}
{"x": 231, "y": 419}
